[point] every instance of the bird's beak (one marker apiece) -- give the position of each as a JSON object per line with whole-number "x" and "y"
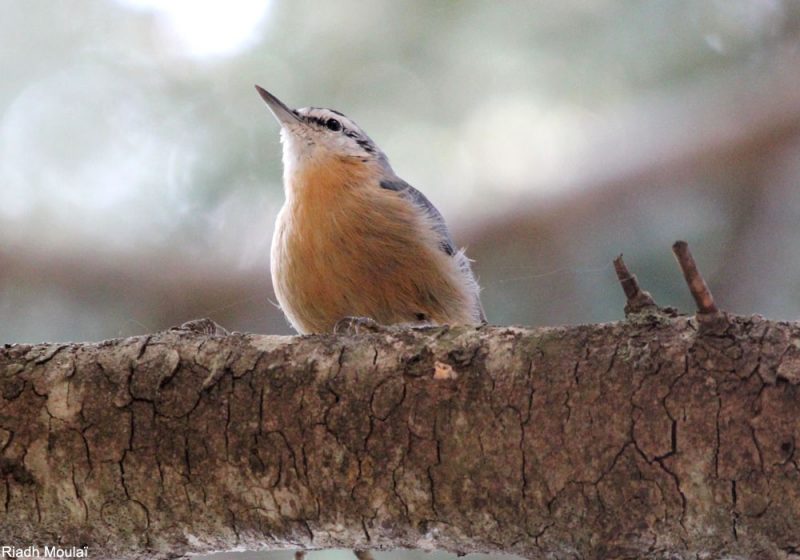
{"x": 282, "y": 113}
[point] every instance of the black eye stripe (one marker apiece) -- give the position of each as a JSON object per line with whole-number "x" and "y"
{"x": 365, "y": 145}
{"x": 324, "y": 122}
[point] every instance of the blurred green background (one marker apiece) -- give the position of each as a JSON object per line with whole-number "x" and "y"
{"x": 140, "y": 173}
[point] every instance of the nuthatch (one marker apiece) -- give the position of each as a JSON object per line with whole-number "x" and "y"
{"x": 355, "y": 240}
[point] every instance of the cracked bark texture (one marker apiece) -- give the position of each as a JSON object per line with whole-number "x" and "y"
{"x": 656, "y": 437}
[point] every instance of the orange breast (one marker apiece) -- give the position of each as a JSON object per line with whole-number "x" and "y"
{"x": 343, "y": 246}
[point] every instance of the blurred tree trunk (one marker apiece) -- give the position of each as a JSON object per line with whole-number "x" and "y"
{"x": 651, "y": 437}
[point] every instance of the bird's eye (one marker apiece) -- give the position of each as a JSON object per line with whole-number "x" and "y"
{"x": 333, "y": 125}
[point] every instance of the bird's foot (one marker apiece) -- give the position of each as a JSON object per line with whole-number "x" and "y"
{"x": 357, "y": 325}
{"x": 202, "y": 326}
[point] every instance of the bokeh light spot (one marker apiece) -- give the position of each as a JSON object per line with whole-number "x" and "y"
{"x": 203, "y": 29}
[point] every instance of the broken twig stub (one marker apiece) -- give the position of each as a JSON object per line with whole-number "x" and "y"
{"x": 697, "y": 285}
{"x": 637, "y": 299}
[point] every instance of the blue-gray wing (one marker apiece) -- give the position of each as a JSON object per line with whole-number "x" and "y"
{"x": 421, "y": 201}
{"x": 445, "y": 241}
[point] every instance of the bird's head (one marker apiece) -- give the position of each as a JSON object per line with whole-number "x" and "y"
{"x": 315, "y": 136}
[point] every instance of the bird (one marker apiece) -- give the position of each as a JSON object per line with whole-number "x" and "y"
{"x": 354, "y": 244}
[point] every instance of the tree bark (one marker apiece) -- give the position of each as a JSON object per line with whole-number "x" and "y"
{"x": 655, "y": 437}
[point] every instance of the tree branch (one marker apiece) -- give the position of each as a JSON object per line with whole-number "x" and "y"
{"x": 649, "y": 437}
